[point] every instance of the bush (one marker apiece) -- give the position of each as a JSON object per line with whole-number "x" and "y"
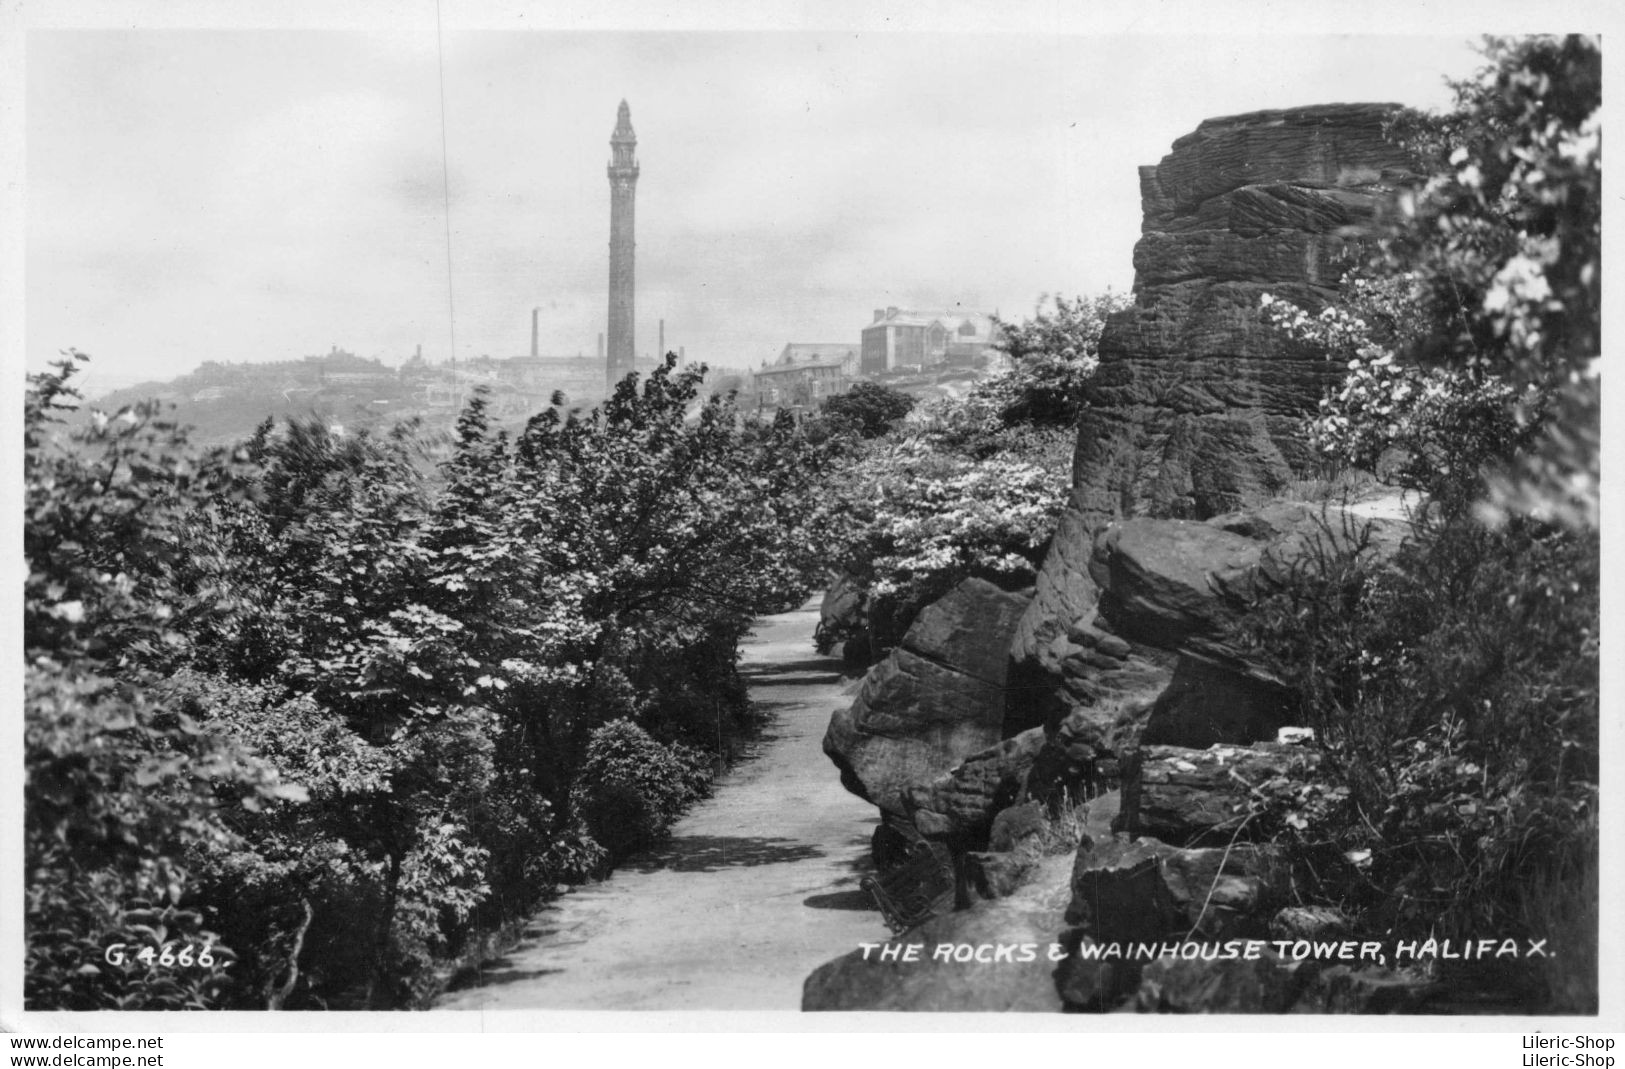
{"x": 868, "y": 409}
{"x": 1052, "y": 356}
{"x": 1454, "y": 689}
{"x": 913, "y": 519}
{"x": 632, "y": 788}
{"x": 313, "y": 700}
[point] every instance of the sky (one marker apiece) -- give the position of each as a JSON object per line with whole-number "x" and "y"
{"x": 250, "y": 194}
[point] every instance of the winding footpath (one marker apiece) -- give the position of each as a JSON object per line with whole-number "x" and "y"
{"x": 757, "y": 886}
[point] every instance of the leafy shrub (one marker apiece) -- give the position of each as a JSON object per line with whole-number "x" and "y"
{"x": 1052, "y": 356}
{"x": 122, "y": 795}
{"x": 911, "y": 520}
{"x": 1454, "y": 689}
{"x": 632, "y": 788}
{"x": 868, "y": 409}
{"x": 315, "y": 700}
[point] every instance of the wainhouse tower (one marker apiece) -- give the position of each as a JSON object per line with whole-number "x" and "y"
{"x": 623, "y": 182}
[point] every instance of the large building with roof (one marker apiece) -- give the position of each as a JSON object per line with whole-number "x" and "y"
{"x": 899, "y": 339}
{"x": 807, "y": 372}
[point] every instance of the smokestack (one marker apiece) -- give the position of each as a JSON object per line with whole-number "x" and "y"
{"x": 662, "y": 353}
{"x": 682, "y": 353}
{"x": 534, "y": 351}
{"x": 600, "y": 345}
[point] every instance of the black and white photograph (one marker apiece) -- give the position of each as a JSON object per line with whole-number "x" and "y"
{"x": 534, "y": 514}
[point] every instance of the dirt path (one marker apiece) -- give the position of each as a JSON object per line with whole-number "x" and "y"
{"x": 756, "y": 888}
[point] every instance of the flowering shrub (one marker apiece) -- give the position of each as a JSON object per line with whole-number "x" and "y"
{"x": 912, "y": 519}
{"x": 1052, "y": 355}
{"x": 1505, "y": 241}
{"x": 1444, "y": 427}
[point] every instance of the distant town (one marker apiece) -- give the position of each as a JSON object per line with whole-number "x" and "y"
{"x": 924, "y": 353}
{"x": 928, "y": 354}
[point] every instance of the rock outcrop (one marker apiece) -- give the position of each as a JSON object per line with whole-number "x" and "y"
{"x": 1154, "y": 659}
{"x": 1197, "y": 408}
{"x": 960, "y": 805}
{"x": 934, "y": 701}
{"x": 993, "y": 956}
{"x": 1124, "y": 669}
{"x": 1187, "y": 796}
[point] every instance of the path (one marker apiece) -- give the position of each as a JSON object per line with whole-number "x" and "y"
{"x": 757, "y": 886}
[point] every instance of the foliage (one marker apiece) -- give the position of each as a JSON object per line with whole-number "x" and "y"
{"x": 1052, "y": 355}
{"x": 632, "y": 788}
{"x": 868, "y": 409}
{"x": 1444, "y": 428}
{"x": 121, "y": 792}
{"x": 1489, "y": 279}
{"x": 330, "y": 694}
{"x": 972, "y": 486}
{"x": 1454, "y": 689}
{"x": 915, "y": 516}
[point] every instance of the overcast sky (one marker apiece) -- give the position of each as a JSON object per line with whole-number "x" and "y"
{"x": 248, "y": 195}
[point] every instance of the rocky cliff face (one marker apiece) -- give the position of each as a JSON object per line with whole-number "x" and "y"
{"x": 1122, "y": 670}
{"x": 1198, "y": 408}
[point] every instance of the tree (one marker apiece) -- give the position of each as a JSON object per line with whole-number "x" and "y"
{"x": 122, "y": 793}
{"x": 868, "y": 408}
{"x": 1505, "y": 246}
{"x": 1052, "y": 355}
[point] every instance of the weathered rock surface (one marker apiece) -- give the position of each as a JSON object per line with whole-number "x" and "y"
{"x": 1368, "y": 989}
{"x": 1311, "y": 923}
{"x": 1192, "y": 797}
{"x": 960, "y": 805}
{"x": 1154, "y": 658}
{"x": 1196, "y": 407}
{"x": 997, "y": 874}
{"x": 1016, "y": 825}
{"x": 1236, "y": 985}
{"x": 1090, "y": 985}
{"x": 1018, "y": 846}
{"x": 1147, "y": 891}
{"x": 1118, "y": 892}
{"x": 1030, "y": 918}
{"x": 934, "y": 701}
{"x": 1204, "y": 705}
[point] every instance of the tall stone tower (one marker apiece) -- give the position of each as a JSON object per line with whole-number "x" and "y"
{"x": 623, "y": 184}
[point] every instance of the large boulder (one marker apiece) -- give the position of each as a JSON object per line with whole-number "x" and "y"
{"x": 1147, "y": 891}
{"x": 960, "y": 805}
{"x": 994, "y": 956}
{"x": 1192, "y": 797}
{"x": 1154, "y": 657}
{"x": 934, "y": 701}
{"x": 1227, "y": 985}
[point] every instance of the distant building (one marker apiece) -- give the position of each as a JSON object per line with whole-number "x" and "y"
{"x": 807, "y": 372}
{"x": 899, "y": 338}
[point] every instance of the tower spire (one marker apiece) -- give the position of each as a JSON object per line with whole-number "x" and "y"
{"x": 623, "y": 181}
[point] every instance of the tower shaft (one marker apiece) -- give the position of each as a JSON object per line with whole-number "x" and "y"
{"x": 623, "y": 182}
